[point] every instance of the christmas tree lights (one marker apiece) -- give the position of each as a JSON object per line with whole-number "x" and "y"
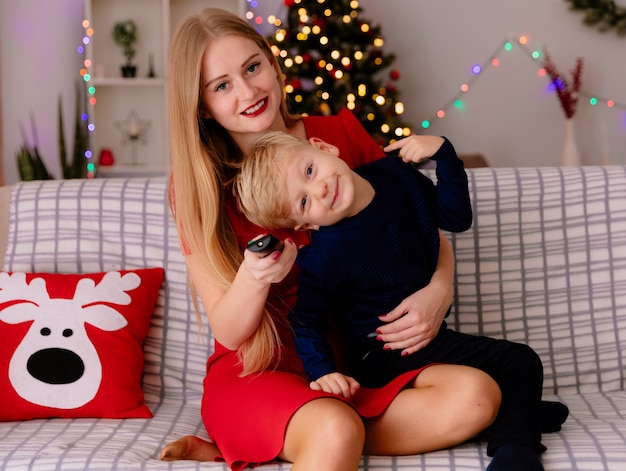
{"x": 333, "y": 59}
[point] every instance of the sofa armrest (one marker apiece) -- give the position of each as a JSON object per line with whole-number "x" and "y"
{"x": 5, "y": 199}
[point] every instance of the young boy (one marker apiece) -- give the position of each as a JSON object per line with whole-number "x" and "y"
{"x": 375, "y": 239}
{"x": 375, "y": 242}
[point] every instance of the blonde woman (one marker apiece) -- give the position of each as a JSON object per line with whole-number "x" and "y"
{"x": 225, "y": 90}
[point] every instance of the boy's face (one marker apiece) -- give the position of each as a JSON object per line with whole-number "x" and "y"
{"x": 319, "y": 186}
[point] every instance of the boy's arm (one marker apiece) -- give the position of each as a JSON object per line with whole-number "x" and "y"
{"x": 454, "y": 207}
{"x": 311, "y": 343}
{"x": 308, "y": 319}
{"x": 450, "y": 199}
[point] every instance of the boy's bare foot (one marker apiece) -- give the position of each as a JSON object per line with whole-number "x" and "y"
{"x": 189, "y": 447}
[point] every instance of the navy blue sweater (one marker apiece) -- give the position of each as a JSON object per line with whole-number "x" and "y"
{"x": 365, "y": 265}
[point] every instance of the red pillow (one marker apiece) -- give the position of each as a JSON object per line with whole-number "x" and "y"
{"x": 72, "y": 345}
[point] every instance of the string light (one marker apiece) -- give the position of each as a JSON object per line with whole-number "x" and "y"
{"x": 478, "y": 69}
{"x": 255, "y": 19}
{"x": 91, "y": 91}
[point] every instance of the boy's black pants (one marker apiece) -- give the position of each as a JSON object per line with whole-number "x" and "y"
{"x": 514, "y": 366}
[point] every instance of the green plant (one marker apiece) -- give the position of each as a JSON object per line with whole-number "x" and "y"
{"x": 76, "y": 168}
{"x": 605, "y": 14}
{"x": 125, "y": 35}
{"x": 29, "y": 162}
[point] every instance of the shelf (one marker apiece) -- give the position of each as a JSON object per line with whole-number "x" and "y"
{"x": 127, "y": 82}
{"x": 115, "y": 98}
{"x": 128, "y": 171}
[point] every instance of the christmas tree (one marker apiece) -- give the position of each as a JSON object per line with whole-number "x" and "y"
{"x": 332, "y": 59}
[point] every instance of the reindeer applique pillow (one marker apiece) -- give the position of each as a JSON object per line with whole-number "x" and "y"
{"x": 72, "y": 345}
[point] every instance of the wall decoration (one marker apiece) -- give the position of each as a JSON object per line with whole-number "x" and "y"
{"x": 478, "y": 69}
{"x": 493, "y": 61}
{"x": 603, "y": 14}
{"x": 133, "y": 130}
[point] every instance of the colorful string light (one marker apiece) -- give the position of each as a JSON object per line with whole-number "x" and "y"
{"x": 478, "y": 70}
{"x": 91, "y": 90}
{"x": 254, "y": 19}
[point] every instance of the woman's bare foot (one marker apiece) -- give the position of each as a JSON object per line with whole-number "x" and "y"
{"x": 189, "y": 447}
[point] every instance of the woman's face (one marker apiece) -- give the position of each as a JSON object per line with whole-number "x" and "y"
{"x": 239, "y": 87}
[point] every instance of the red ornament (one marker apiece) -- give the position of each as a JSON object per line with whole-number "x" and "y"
{"x": 106, "y": 157}
{"x": 289, "y": 3}
{"x": 394, "y": 74}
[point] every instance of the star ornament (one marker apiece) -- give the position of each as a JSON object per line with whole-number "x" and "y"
{"x": 133, "y": 128}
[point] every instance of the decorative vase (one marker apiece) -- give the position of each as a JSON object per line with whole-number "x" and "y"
{"x": 571, "y": 156}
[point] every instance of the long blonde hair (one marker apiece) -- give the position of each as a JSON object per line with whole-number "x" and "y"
{"x": 205, "y": 159}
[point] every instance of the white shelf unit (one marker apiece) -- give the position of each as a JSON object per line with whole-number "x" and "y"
{"x": 116, "y": 97}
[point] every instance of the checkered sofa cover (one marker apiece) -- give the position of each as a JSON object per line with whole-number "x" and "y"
{"x": 544, "y": 263}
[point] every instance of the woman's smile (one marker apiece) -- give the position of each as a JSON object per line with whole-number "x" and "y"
{"x": 256, "y": 109}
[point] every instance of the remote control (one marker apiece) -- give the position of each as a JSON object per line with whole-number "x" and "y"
{"x": 266, "y": 245}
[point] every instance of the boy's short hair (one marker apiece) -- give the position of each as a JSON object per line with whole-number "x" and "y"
{"x": 260, "y": 185}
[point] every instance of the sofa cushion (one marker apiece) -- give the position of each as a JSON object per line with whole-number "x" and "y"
{"x": 72, "y": 345}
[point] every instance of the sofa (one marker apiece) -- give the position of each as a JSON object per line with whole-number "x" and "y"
{"x": 544, "y": 263}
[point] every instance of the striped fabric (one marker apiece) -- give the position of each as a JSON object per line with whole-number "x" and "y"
{"x": 544, "y": 263}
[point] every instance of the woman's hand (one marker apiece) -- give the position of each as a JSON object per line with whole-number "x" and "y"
{"x": 336, "y": 383}
{"x": 234, "y": 313}
{"x": 271, "y": 268}
{"x": 416, "y": 321}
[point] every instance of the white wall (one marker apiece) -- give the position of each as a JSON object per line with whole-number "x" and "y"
{"x": 509, "y": 117}
{"x": 38, "y": 41}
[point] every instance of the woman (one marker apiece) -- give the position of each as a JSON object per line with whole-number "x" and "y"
{"x": 225, "y": 89}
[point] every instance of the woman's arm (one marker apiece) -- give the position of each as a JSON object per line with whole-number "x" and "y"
{"x": 416, "y": 321}
{"x": 234, "y": 314}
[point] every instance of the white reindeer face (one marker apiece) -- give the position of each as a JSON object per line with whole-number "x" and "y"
{"x": 56, "y": 365}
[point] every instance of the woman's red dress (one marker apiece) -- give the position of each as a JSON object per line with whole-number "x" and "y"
{"x": 247, "y": 416}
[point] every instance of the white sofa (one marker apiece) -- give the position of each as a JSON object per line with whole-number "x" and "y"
{"x": 544, "y": 263}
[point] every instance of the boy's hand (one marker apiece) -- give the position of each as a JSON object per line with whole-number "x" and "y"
{"x": 416, "y": 148}
{"x": 336, "y": 383}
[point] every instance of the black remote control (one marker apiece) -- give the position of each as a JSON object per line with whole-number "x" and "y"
{"x": 266, "y": 245}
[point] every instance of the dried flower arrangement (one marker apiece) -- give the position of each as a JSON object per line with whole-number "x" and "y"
{"x": 567, "y": 93}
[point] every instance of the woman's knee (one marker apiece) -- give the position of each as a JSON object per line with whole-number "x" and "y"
{"x": 325, "y": 426}
{"x": 475, "y": 396}
{"x": 483, "y": 396}
{"x": 339, "y": 423}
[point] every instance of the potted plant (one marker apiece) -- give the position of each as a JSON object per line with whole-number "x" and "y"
{"x": 125, "y": 35}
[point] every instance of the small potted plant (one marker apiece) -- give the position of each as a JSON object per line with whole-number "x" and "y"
{"x": 125, "y": 35}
